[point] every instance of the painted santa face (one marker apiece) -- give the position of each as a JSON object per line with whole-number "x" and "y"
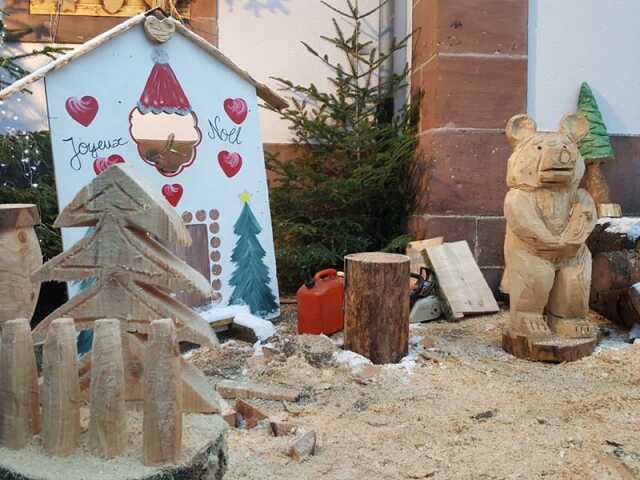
{"x": 163, "y": 125}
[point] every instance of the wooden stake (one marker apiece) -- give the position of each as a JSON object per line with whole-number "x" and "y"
{"x": 162, "y": 424}
{"x": 376, "y": 309}
{"x": 108, "y": 422}
{"x": 19, "y": 396}
{"x": 60, "y": 389}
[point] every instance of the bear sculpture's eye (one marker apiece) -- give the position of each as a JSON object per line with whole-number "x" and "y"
{"x": 539, "y": 147}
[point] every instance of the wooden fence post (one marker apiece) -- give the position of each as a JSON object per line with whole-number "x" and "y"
{"x": 162, "y": 424}
{"x": 108, "y": 421}
{"x": 19, "y": 397}
{"x": 60, "y": 389}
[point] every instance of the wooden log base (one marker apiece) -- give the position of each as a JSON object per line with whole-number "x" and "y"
{"x": 551, "y": 349}
{"x": 204, "y": 457}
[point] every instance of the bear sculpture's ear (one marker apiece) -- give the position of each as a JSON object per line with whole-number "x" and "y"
{"x": 520, "y": 128}
{"x": 575, "y": 125}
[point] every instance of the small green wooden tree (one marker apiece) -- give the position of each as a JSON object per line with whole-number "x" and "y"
{"x": 250, "y": 278}
{"x": 596, "y": 146}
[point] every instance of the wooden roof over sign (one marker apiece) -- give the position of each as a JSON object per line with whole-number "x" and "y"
{"x": 263, "y": 91}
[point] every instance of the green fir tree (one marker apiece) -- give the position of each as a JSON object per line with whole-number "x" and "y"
{"x": 250, "y": 279}
{"x": 596, "y": 146}
{"x": 348, "y": 188}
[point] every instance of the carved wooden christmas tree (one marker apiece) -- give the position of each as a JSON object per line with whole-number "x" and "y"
{"x": 134, "y": 273}
{"x": 596, "y": 149}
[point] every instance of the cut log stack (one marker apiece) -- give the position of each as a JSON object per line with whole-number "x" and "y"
{"x": 615, "y": 246}
{"x": 376, "y": 307}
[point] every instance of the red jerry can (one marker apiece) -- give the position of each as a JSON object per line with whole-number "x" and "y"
{"x": 320, "y": 304}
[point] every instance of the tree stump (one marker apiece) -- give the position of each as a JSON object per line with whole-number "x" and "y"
{"x": 204, "y": 457}
{"x": 108, "y": 422}
{"x": 20, "y": 255}
{"x": 60, "y": 389}
{"x": 162, "y": 424}
{"x": 19, "y": 396}
{"x": 377, "y": 306}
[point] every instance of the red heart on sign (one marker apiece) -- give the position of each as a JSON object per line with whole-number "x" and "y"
{"x": 237, "y": 109}
{"x": 82, "y": 110}
{"x": 173, "y": 193}
{"x": 101, "y": 164}
{"x": 230, "y": 163}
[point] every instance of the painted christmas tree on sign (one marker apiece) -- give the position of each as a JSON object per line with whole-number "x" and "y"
{"x": 250, "y": 277}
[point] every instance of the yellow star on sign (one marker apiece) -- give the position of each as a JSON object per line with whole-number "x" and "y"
{"x": 245, "y": 197}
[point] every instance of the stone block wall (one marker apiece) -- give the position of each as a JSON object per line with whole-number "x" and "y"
{"x": 470, "y": 60}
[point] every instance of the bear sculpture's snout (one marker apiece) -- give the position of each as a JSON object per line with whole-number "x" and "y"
{"x": 557, "y": 165}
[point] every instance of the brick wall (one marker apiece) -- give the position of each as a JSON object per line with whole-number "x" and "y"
{"x": 470, "y": 60}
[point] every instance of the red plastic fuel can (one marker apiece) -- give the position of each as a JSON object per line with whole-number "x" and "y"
{"x": 320, "y": 304}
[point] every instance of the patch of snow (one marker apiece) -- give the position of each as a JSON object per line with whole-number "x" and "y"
{"x": 410, "y": 362}
{"x": 188, "y": 354}
{"x": 354, "y": 361}
{"x": 634, "y": 334}
{"x": 257, "y": 347}
{"x": 241, "y": 315}
{"x": 616, "y": 341}
{"x": 630, "y": 226}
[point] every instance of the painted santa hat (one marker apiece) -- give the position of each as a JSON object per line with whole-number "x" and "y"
{"x": 163, "y": 93}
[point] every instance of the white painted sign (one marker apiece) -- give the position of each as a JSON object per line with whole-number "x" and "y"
{"x": 572, "y": 41}
{"x": 190, "y": 127}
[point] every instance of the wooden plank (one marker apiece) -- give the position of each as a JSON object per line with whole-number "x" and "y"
{"x": 414, "y": 252}
{"x": 201, "y": 17}
{"x": 460, "y": 279}
{"x": 249, "y": 390}
{"x": 96, "y": 8}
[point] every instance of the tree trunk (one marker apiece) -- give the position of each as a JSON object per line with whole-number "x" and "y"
{"x": 596, "y": 185}
{"x": 377, "y": 306}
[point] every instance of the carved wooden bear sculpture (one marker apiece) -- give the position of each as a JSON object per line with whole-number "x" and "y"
{"x": 548, "y": 266}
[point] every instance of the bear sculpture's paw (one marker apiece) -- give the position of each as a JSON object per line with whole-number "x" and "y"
{"x": 573, "y": 327}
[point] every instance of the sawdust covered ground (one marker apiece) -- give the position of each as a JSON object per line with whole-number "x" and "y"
{"x": 460, "y": 409}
